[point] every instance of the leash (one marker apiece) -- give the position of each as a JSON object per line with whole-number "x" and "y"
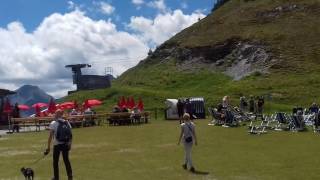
{"x": 36, "y": 161}
{"x": 39, "y": 159}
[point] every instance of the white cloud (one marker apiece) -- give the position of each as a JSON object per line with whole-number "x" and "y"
{"x": 159, "y": 4}
{"x": 39, "y": 57}
{"x": 137, "y": 2}
{"x": 106, "y": 8}
{"x": 156, "y": 31}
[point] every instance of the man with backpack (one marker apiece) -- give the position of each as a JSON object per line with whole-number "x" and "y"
{"x": 60, "y": 133}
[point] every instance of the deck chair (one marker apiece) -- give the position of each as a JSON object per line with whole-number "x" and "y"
{"x": 282, "y": 122}
{"x": 259, "y": 129}
{"x": 297, "y": 123}
{"x": 216, "y": 117}
{"x": 230, "y": 120}
{"x": 316, "y": 124}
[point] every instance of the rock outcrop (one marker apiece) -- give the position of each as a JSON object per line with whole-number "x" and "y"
{"x": 235, "y": 57}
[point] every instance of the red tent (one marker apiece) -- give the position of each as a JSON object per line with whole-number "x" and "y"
{"x": 52, "y": 106}
{"x": 140, "y": 105}
{"x": 7, "y": 107}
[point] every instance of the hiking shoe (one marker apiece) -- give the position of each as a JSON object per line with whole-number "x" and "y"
{"x": 184, "y": 166}
{"x": 192, "y": 169}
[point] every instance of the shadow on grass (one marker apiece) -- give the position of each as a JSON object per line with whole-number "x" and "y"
{"x": 197, "y": 172}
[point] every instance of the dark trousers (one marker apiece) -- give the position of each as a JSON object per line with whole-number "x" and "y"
{"x": 65, "y": 154}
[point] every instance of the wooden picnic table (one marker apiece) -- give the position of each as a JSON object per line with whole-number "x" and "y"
{"x": 127, "y": 118}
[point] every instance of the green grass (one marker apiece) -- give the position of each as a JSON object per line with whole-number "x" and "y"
{"x": 150, "y": 152}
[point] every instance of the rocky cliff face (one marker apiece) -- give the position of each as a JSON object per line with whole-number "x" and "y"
{"x": 235, "y": 57}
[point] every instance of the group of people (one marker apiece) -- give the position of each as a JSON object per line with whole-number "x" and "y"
{"x": 299, "y": 112}
{"x": 254, "y": 105}
{"x": 135, "y": 111}
{"x": 227, "y": 115}
{"x": 184, "y": 106}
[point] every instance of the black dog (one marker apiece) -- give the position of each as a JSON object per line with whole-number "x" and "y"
{"x": 28, "y": 173}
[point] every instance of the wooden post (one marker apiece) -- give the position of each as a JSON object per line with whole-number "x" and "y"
{"x": 9, "y": 124}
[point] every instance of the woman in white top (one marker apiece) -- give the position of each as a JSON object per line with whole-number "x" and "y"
{"x": 189, "y": 137}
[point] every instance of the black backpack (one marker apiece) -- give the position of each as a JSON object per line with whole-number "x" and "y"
{"x": 64, "y": 133}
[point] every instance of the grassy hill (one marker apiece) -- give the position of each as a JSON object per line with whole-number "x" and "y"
{"x": 289, "y": 28}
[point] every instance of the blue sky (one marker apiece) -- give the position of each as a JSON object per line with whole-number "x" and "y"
{"x": 39, "y": 37}
{"x": 31, "y": 12}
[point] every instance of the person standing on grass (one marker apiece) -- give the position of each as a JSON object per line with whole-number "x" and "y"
{"x": 251, "y": 104}
{"x": 180, "y": 108}
{"x": 188, "y": 108}
{"x": 60, "y": 133}
{"x": 189, "y": 137}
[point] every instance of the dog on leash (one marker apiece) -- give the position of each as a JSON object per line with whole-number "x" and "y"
{"x": 28, "y": 173}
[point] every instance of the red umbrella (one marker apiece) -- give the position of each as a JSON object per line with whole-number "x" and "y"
{"x": 67, "y": 105}
{"x": 7, "y": 107}
{"x": 128, "y": 102}
{"x": 140, "y": 105}
{"x": 122, "y": 102}
{"x": 23, "y": 107}
{"x": 119, "y": 102}
{"x": 131, "y": 103}
{"x": 92, "y": 102}
{"x": 38, "y": 111}
{"x": 40, "y": 105}
{"x": 52, "y": 106}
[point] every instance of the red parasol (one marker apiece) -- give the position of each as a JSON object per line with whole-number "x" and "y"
{"x": 140, "y": 105}
{"x": 52, "y": 106}
{"x": 119, "y": 103}
{"x": 122, "y": 102}
{"x": 128, "y": 102}
{"x": 38, "y": 111}
{"x": 131, "y": 103}
{"x": 67, "y": 105}
{"x": 7, "y": 107}
{"x": 40, "y": 105}
{"x": 92, "y": 102}
{"x": 23, "y": 107}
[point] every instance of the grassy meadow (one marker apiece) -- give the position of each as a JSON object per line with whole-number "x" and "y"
{"x": 150, "y": 151}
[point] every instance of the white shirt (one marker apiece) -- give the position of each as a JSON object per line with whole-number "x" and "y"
{"x": 187, "y": 129}
{"x": 54, "y": 126}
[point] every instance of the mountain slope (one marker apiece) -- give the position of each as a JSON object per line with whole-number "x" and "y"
{"x": 258, "y": 47}
{"x": 29, "y": 95}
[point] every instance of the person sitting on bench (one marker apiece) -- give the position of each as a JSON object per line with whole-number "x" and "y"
{"x": 116, "y": 109}
{"x": 314, "y": 108}
{"x": 135, "y": 114}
